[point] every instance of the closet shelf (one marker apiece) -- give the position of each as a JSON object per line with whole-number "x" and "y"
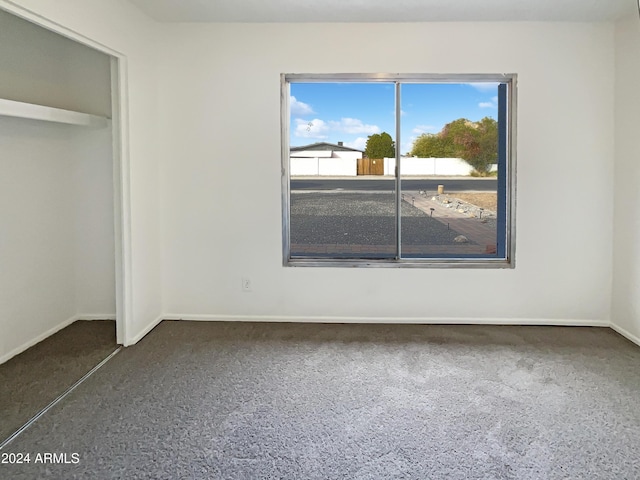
{"x": 11, "y": 108}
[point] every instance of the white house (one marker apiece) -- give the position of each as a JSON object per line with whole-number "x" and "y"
{"x": 324, "y": 158}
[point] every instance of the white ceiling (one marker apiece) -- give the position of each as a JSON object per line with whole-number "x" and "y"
{"x": 385, "y": 10}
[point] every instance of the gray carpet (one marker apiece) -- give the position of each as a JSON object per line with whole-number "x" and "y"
{"x": 281, "y": 401}
{"x": 31, "y": 380}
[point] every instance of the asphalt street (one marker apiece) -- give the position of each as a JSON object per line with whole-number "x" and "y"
{"x": 388, "y": 184}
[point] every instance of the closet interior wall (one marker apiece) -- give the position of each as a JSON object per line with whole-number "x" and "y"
{"x": 56, "y": 188}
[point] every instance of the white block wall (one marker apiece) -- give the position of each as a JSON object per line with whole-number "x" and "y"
{"x": 429, "y": 166}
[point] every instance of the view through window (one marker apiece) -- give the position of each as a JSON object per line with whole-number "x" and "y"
{"x": 392, "y": 171}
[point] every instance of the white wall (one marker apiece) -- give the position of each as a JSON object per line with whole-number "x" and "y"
{"x": 304, "y": 166}
{"x": 338, "y": 166}
{"x": 428, "y": 166}
{"x": 94, "y": 247}
{"x": 626, "y": 246}
{"x": 42, "y": 67}
{"x": 324, "y": 162}
{"x": 37, "y": 234}
{"x": 222, "y": 207}
{"x": 121, "y": 27}
{"x": 300, "y": 166}
{"x": 323, "y": 166}
{"x": 221, "y": 219}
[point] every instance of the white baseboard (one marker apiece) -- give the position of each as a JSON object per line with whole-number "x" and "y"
{"x": 388, "y": 320}
{"x": 96, "y": 316}
{"x": 324, "y": 319}
{"x": 37, "y": 339}
{"x": 625, "y": 333}
{"x": 143, "y": 332}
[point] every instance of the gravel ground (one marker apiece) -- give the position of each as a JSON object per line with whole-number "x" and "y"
{"x": 361, "y": 219}
{"x": 486, "y": 200}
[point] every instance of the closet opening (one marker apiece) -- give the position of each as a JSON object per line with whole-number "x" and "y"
{"x": 64, "y": 203}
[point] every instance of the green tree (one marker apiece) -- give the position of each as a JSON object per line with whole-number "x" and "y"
{"x": 474, "y": 142}
{"x": 488, "y": 145}
{"x": 430, "y": 145}
{"x": 380, "y": 145}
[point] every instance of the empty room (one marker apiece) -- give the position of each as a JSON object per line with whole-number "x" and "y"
{"x": 313, "y": 240}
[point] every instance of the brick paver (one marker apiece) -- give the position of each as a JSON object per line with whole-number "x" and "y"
{"x": 470, "y": 227}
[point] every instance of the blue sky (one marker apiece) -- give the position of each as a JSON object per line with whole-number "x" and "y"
{"x": 349, "y": 112}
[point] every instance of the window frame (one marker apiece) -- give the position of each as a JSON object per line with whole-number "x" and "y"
{"x": 506, "y": 182}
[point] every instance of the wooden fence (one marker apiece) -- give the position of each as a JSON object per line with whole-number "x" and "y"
{"x": 370, "y": 166}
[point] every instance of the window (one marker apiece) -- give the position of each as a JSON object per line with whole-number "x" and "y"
{"x": 398, "y": 170}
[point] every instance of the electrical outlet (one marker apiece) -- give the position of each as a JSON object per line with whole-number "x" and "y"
{"x": 246, "y": 284}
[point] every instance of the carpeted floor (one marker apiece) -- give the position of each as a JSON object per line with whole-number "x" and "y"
{"x": 33, "y": 379}
{"x": 310, "y": 401}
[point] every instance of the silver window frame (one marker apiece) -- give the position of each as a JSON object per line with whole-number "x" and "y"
{"x": 510, "y": 245}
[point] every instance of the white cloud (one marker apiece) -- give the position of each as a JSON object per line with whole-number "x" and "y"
{"x": 353, "y": 126}
{"x": 492, "y": 104}
{"x": 359, "y": 143}
{"x": 315, "y": 128}
{"x": 420, "y": 129}
{"x": 484, "y": 87}
{"x": 298, "y": 108}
